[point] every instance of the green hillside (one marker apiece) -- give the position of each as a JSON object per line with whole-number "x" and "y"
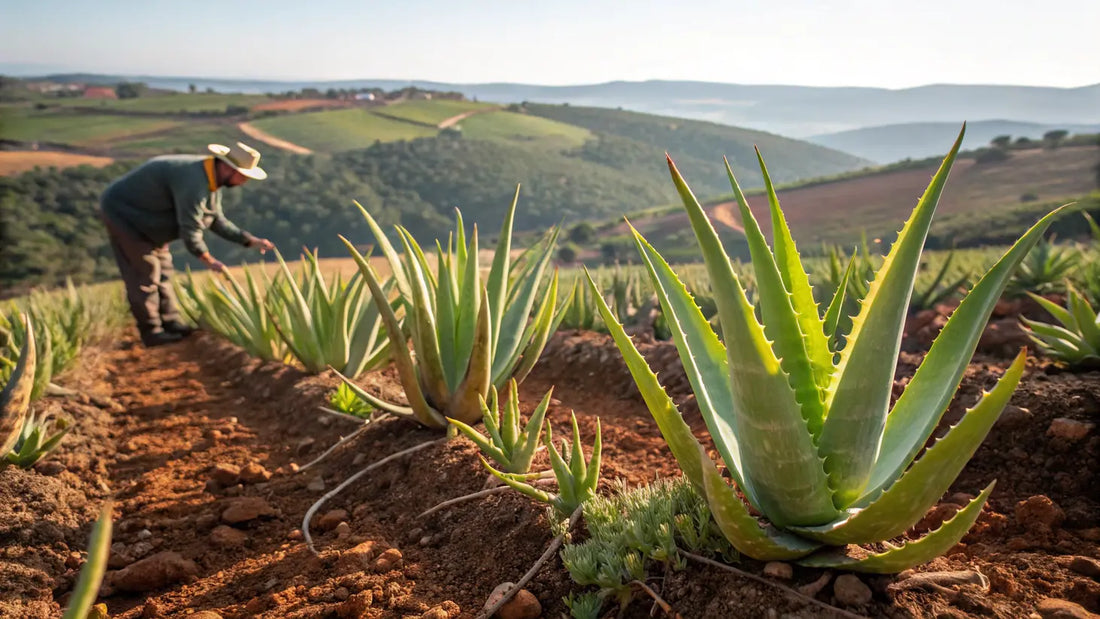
{"x": 431, "y": 112}
{"x": 524, "y": 129}
{"x": 341, "y": 130}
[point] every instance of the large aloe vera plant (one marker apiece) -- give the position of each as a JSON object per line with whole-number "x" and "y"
{"x": 16, "y": 395}
{"x": 810, "y": 442}
{"x": 467, "y": 334}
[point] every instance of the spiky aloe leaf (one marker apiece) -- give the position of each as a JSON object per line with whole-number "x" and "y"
{"x": 832, "y": 314}
{"x": 16, "y": 396}
{"x": 911, "y": 553}
{"x": 859, "y": 395}
{"x": 782, "y": 323}
{"x": 779, "y": 456}
{"x": 905, "y": 502}
{"x": 91, "y": 575}
{"x": 926, "y": 397}
{"x": 465, "y": 404}
{"x": 498, "y": 283}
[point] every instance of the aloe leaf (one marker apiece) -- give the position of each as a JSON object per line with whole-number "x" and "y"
{"x": 507, "y": 342}
{"x": 469, "y": 301}
{"x": 546, "y": 323}
{"x": 366, "y": 396}
{"x": 702, "y": 355}
{"x": 484, "y": 444}
{"x": 782, "y": 325}
{"x": 509, "y": 422}
{"x": 911, "y": 553}
{"x": 797, "y": 282}
{"x": 400, "y": 349}
{"x": 578, "y": 468}
{"x": 832, "y": 314}
{"x": 465, "y": 405}
{"x": 904, "y": 503}
{"x": 1086, "y": 318}
{"x": 742, "y": 530}
{"x": 1060, "y": 314}
{"x": 446, "y": 324}
{"x": 859, "y": 395}
{"x": 389, "y": 252}
{"x": 527, "y": 489}
{"x": 497, "y": 283}
{"x": 16, "y": 396}
{"x": 779, "y": 458}
{"x": 428, "y": 359}
{"x": 87, "y": 585}
{"x": 592, "y": 475}
{"x": 926, "y": 397}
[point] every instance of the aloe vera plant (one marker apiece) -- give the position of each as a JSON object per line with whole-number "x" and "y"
{"x": 235, "y": 312}
{"x": 511, "y": 446}
{"x": 577, "y": 478}
{"x": 16, "y": 396}
{"x": 1076, "y": 341}
{"x": 936, "y": 291}
{"x": 91, "y": 575}
{"x": 326, "y": 325}
{"x": 467, "y": 334}
{"x": 39, "y": 436}
{"x": 1044, "y": 269}
{"x": 812, "y": 443}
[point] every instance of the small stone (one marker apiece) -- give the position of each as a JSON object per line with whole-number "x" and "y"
{"x": 358, "y": 558}
{"x": 155, "y": 572}
{"x": 1086, "y": 566}
{"x": 332, "y": 518}
{"x": 316, "y": 485}
{"x": 341, "y": 593}
{"x": 245, "y": 509}
{"x": 225, "y": 474}
{"x": 74, "y": 560}
{"x": 305, "y": 446}
{"x": 523, "y": 606}
{"x": 1039, "y": 513}
{"x": 254, "y": 474}
{"x": 227, "y": 537}
{"x": 140, "y": 550}
{"x": 359, "y": 458}
{"x": 256, "y": 605}
{"x": 49, "y": 468}
{"x": 1052, "y": 608}
{"x": 778, "y": 569}
{"x": 206, "y": 521}
{"x": 213, "y": 435}
{"x": 1069, "y": 429}
{"x": 389, "y": 560}
{"x": 205, "y": 614}
{"x": 850, "y": 590}
{"x": 436, "y": 612}
{"x": 144, "y": 534}
{"x": 119, "y": 556}
{"x": 295, "y": 535}
{"x": 342, "y": 530}
{"x": 356, "y": 606}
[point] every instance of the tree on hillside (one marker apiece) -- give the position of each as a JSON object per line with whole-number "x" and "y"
{"x": 1053, "y": 139}
{"x": 1002, "y": 141}
{"x": 567, "y": 254}
{"x": 191, "y": 88}
{"x": 130, "y": 90}
{"x": 582, "y": 233}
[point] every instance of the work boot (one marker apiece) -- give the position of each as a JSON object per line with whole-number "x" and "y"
{"x": 175, "y": 326}
{"x": 159, "y": 338}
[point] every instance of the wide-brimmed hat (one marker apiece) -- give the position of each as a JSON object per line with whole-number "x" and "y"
{"x": 242, "y": 157}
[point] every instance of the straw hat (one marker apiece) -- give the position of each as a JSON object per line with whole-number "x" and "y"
{"x": 242, "y": 157}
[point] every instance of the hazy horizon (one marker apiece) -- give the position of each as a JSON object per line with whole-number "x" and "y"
{"x": 855, "y": 43}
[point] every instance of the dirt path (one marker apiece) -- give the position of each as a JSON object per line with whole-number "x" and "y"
{"x": 723, "y": 213}
{"x": 256, "y": 133}
{"x": 454, "y": 120}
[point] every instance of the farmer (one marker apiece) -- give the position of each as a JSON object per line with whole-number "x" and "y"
{"x": 167, "y": 198}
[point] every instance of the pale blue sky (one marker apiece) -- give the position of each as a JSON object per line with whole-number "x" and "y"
{"x": 811, "y": 42}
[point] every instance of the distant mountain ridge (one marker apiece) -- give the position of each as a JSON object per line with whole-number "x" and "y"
{"x": 794, "y": 111}
{"x": 890, "y": 143}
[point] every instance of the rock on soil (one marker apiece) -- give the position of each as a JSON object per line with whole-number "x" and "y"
{"x": 248, "y": 508}
{"x": 778, "y": 569}
{"x": 524, "y": 605}
{"x": 155, "y": 572}
{"x": 254, "y": 474}
{"x": 1051, "y": 608}
{"x": 1086, "y": 566}
{"x": 850, "y": 590}
{"x": 332, "y": 518}
{"x": 225, "y": 474}
{"x": 446, "y": 610}
{"x": 1039, "y": 514}
{"x": 227, "y": 537}
{"x": 1069, "y": 429}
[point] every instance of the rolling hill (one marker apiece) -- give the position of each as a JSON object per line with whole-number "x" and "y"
{"x": 889, "y": 143}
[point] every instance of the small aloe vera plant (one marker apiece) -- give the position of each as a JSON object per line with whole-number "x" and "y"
{"x": 1077, "y": 340}
{"x": 467, "y": 334}
{"x": 234, "y": 312}
{"x": 40, "y": 435}
{"x": 577, "y": 478}
{"x": 813, "y": 444}
{"x": 511, "y": 446}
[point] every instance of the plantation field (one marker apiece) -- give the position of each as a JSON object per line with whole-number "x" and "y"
{"x": 340, "y": 130}
{"x": 297, "y": 105}
{"x": 167, "y": 103}
{"x": 432, "y": 112}
{"x": 523, "y": 129}
{"x": 77, "y": 129}
{"x": 16, "y": 161}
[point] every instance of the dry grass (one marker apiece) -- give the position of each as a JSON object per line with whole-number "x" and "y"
{"x": 16, "y": 161}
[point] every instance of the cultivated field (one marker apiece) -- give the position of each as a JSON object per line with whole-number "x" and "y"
{"x": 16, "y": 161}
{"x": 341, "y": 130}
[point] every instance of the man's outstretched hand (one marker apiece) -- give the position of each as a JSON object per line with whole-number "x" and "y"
{"x": 213, "y": 263}
{"x": 261, "y": 244}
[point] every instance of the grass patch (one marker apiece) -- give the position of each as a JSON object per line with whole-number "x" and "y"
{"x": 431, "y": 112}
{"x": 61, "y": 127}
{"x": 167, "y": 104}
{"x": 190, "y": 138}
{"x": 341, "y": 130}
{"x": 523, "y": 129}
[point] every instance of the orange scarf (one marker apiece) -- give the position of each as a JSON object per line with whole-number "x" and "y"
{"x": 208, "y": 165}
